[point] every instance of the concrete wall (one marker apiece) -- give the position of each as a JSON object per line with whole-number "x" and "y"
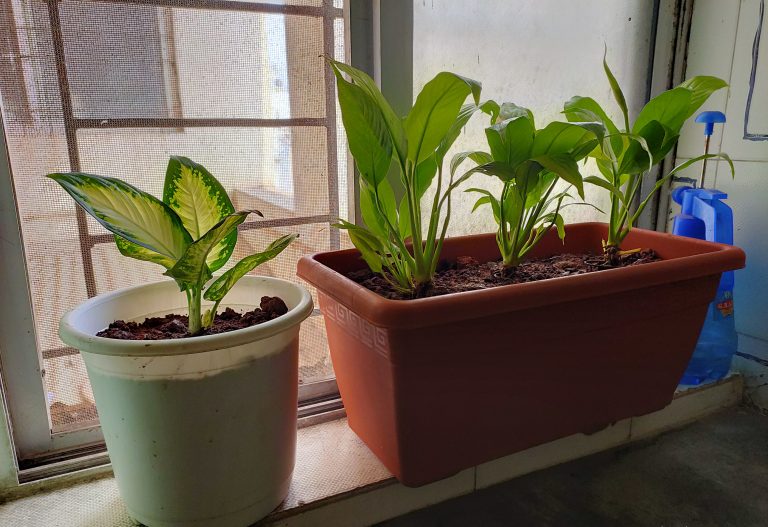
{"x": 722, "y": 37}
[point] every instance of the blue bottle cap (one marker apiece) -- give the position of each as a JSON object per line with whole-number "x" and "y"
{"x": 709, "y": 119}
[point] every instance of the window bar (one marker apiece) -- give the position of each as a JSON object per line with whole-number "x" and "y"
{"x": 330, "y": 123}
{"x": 195, "y": 122}
{"x": 248, "y": 225}
{"x": 239, "y": 5}
{"x": 71, "y": 136}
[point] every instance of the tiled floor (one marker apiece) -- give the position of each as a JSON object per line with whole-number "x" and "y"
{"x": 712, "y": 473}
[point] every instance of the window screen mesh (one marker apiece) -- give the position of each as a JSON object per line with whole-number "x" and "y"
{"x": 115, "y": 88}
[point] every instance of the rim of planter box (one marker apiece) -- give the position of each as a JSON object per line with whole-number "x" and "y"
{"x": 710, "y": 258}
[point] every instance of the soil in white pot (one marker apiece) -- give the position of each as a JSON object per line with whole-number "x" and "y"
{"x": 173, "y": 326}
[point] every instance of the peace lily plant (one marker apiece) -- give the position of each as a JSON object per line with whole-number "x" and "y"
{"x": 191, "y": 232}
{"x": 529, "y": 163}
{"x": 393, "y": 241}
{"x": 626, "y": 154}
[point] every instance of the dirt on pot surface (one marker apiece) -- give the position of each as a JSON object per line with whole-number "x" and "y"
{"x": 174, "y": 326}
{"x": 467, "y": 274}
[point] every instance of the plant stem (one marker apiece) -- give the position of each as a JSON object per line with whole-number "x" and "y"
{"x": 193, "y": 303}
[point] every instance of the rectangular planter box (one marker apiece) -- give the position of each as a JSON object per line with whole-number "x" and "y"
{"x": 437, "y": 385}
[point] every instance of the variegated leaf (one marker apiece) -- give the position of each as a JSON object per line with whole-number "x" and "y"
{"x": 133, "y": 250}
{"x": 192, "y": 268}
{"x": 128, "y": 212}
{"x": 224, "y": 283}
{"x": 201, "y": 202}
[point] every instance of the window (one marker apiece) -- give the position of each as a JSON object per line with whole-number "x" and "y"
{"x": 537, "y": 54}
{"x": 114, "y": 88}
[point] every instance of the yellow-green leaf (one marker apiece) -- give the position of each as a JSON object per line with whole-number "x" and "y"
{"x": 225, "y": 282}
{"x": 192, "y": 268}
{"x": 201, "y": 202}
{"x": 128, "y": 212}
{"x": 133, "y": 250}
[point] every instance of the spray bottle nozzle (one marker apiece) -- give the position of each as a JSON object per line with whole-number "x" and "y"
{"x": 709, "y": 119}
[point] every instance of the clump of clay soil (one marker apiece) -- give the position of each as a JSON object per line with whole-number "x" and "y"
{"x": 467, "y": 274}
{"x": 175, "y": 326}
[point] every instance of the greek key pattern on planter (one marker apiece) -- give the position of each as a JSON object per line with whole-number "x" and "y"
{"x": 372, "y": 336}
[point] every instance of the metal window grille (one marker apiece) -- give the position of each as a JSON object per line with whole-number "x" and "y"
{"x": 83, "y": 80}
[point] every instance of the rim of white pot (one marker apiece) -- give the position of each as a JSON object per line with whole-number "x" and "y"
{"x": 74, "y": 336}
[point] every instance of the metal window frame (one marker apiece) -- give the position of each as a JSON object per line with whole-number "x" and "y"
{"x": 669, "y": 53}
{"x": 20, "y": 368}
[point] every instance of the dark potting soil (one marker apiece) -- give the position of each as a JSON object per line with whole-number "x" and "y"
{"x": 175, "y": 326}
{"x": 467, "y": 274}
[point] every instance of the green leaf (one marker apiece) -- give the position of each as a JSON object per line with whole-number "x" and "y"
{"x": 368, "y": 135}
{"x": 600, "y": 182}
{"x": 480, "y": 158}
{"x": 702, "y": 87}
{"x": 491, "y": 108}
{"x": 510, "y": 110}
{"x": 565, "y": 138}
{"x": 425, "y": 173}
{"x": 403, "y": 219}
{"x": 513, "y": 205}
{"x": 535, "y": 194}
{"x": 560, "y": 225}
{"x": 377, "y": 212}
{"x": 511, "y": 140}
{"x": 369, "y": 247}
{"x": 435, "y": 111}
{"x": 201, "y": 202}
{"x": 221, "y": 286}
{"x": 128, "y": 212}
{"x": 669, "y": 108}
{"x": 565, "y": 167}
{"x": 659, "y": 140}
{"x": 487, "y": 198}
{"x": 586, "y": 109}
{"x": 366, "y": 83}
{"x": 499, "y": 169}
{"x": 618, "y": 95}
{"x": 191, "y": 270}
{"x": 466, "y": 112}
{"x": 638, "y": 156}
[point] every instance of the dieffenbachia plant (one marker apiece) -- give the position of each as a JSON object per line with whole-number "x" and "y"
{"x": 191, "y": 232}
{"x": 393, "y": 241}
{"x": 626, "y": 154}
{"x": 529, "y": 163}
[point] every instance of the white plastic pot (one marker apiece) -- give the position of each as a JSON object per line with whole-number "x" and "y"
{"x": 200, "y": 431}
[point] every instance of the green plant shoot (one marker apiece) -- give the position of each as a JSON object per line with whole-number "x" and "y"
{"x": 625, "y": 154}
{"x": 529, "y": 163}
{"x": 191, "y": 232}
{"x": 393, "y": 241}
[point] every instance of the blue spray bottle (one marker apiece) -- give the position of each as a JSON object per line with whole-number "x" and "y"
{"x": 706, "y": 217}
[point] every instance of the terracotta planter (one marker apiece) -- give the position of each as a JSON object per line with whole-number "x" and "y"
{"x": 437, "y": 385}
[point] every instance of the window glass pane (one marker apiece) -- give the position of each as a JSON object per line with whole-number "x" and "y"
{"x": 114, "y": 89}
{"x": 537, "y": 54}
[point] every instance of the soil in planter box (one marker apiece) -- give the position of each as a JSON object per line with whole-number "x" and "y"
{"x": 467, "y": 274}
{"x": 175, "y": 326}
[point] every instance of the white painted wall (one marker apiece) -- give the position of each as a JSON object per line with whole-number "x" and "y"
{"x": 721, "y": 42}
{"x": 535, "y": 53}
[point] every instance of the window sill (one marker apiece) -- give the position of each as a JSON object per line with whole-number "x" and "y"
{"x": 339, "y": 482}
